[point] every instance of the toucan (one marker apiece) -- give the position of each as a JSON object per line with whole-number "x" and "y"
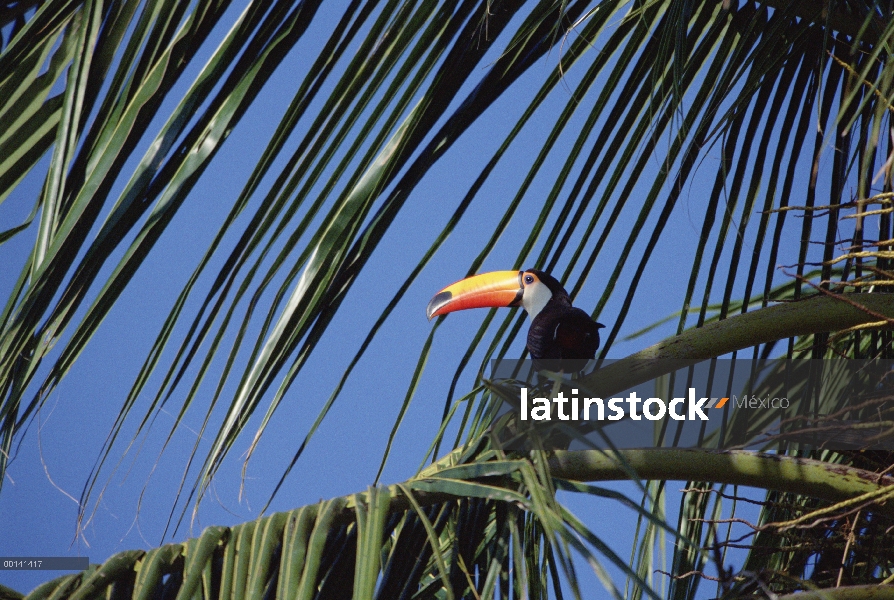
{"x": 558, "y": 329}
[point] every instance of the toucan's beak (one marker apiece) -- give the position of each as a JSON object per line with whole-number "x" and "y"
{"x": 499, "y": 288}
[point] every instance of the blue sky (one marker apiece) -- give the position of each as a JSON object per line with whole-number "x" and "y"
{"x": 61, "y": 445}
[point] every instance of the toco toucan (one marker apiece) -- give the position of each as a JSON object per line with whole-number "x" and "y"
{"x": 558, "y": 330}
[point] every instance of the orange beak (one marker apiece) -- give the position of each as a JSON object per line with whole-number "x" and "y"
{"x": 487, "y": 290}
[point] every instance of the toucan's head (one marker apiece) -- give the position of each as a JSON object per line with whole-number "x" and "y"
{"x": 531, "y": 289}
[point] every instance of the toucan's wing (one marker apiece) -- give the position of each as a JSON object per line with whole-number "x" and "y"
{"x": 577, "y": 335}
{"x": 563, "y": 333}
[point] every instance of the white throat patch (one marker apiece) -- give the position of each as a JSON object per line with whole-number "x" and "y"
{"x": 535, "y": 297}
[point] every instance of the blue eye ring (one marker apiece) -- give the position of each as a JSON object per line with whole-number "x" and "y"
{"x": 529, "y": 279}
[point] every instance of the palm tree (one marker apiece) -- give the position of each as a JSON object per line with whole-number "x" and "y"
{"x": 603, "y": 141}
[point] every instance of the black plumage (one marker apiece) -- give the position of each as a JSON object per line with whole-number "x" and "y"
{"x": 559, "y": 331}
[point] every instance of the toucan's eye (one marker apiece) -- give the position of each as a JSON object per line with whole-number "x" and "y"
{"x": 529, "y": 279}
